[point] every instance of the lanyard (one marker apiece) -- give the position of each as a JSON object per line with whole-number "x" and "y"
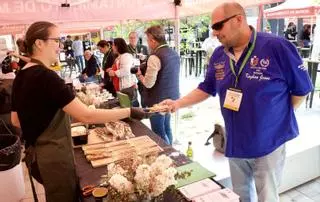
{"x": 133, "y": 50}
{"x": 105, "y": 58}
{"x": 244, "y": 61}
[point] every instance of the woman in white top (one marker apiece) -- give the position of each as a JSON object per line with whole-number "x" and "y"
{"x": 123, "y": 80}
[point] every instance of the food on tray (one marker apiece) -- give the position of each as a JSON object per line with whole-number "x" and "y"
{"x": 120, "y": 130}
{"x": 97, "y": 156}
{"x": 103, "y": 134}
{"x": 159, "y": 108}
{"x": 78, "y": 131}
{"x": 104, "y": 153}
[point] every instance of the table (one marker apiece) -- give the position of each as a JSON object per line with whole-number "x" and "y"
{"x": 89, "y": 175}
{"x": 312, "y": 70}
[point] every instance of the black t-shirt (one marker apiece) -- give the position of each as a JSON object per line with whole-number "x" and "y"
{"x": 86, "y": 45}
{"x": 37, "y": 94}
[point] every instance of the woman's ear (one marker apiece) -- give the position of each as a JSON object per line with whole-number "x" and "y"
{"x": 38, "y": 44}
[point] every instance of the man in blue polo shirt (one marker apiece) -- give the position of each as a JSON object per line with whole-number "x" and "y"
{"x": 260, "y": 80}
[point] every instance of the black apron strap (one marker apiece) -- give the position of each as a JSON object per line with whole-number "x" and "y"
{"x": 29, "y": 159}
{"x": 34, "y": 193}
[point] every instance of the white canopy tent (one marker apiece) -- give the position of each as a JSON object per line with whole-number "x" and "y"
{"x": 293, "y": 8}
{"x": 16, "y": 14}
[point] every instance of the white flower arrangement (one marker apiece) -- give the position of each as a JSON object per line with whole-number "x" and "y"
{"x": 121, "y": 184}
{"x": 143, "y": 180}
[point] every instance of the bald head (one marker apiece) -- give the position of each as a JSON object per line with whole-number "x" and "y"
{"x": 230, "y": 8}
{"x": 229, "y": 23}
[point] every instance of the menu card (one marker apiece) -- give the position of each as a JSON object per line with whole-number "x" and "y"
{"x": 199, "y": 188}
{"x": 223, "y": 195}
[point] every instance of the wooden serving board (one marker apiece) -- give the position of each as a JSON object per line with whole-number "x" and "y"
{"x": 123, "y": 149}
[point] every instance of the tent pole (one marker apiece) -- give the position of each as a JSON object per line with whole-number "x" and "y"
{"x": 260, "y": 18}
{"x": 177, "y": 48}
{"x": 101, "y": 33}
{"x": 177, "y": 29}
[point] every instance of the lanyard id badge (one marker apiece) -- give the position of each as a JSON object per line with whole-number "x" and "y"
{"x": 233, "y": 99}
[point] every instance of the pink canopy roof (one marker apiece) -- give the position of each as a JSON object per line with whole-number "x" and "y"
{"x": 94, "y": 14}
{"x": 294, "y": 8}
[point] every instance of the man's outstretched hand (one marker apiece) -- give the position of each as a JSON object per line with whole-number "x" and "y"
{"x": 171, "y": 105}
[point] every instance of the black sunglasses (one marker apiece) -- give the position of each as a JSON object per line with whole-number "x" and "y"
{"x": 218, "y": 25}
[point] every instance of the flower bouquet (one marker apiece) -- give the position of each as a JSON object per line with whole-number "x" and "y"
{"x": 140, "y": 179}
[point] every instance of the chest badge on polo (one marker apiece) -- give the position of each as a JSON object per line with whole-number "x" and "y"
{"x": 254, "y": 61}
{"x": 219, "y": 70}
{"x": 265, "y": 62}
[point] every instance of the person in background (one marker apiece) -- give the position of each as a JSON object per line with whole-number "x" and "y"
{"x": 209, "y": 45}
{"x": 105, "y": 47}
{"x": 123, "y": 80}
{"x": 22, "y": 55}
{"x": 77, "y": 47}
{"x": 68, "y": 47}
{"x": 91, "y": 68}
{"x": 161, "y": 80}
{"x": 140, "y": 52}
{"x": 41, "y": 105}
{"x": 137, "y": 50}
{"x": 86, "y": 43}
{"x": 291, "y": 32}
{"x": 268, "y": 30}
{"x": 304, "y": 36}
{"x": 259, "y": 93}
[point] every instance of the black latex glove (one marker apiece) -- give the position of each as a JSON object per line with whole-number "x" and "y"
{"x": 139, "y": 113}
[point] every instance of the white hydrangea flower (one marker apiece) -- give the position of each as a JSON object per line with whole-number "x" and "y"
{"x": 165, "y": 161}
{"x": 159, "y": 186}
{"x": 143, "y": 177}
{"x": 121, "y": 184}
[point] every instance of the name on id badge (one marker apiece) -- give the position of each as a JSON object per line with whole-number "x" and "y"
{"x": 233, "y": 99}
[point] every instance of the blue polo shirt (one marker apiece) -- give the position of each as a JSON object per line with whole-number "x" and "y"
{"x": 273, "y": 73}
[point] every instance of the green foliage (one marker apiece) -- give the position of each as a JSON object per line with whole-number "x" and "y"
{"x": 123, "y": 30}
{"x": 189, "y": 28}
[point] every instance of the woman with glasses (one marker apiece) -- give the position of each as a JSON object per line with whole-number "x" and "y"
{"x": 41, "y": 105}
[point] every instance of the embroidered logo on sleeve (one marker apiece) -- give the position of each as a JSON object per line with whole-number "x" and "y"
{"x": 302, "y": 67}
{"x": 219, "y": 70}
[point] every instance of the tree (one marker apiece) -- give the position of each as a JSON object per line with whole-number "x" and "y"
{"x": 191, "y": 28}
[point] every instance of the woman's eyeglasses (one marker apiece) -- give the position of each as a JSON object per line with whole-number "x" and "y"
{"x": 219, "y": 25}
{"x": 57, "y": 40}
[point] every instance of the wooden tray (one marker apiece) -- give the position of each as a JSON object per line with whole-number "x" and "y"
{"x": 120, "y": 150}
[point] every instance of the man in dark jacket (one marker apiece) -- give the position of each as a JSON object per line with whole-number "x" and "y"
{"x": 161, "y": 80}
{"x": 68, "y": 47}
{"x": 91, "y": 68}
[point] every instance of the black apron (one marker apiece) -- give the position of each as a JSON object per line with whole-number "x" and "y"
{"x": 51, "y": 161}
